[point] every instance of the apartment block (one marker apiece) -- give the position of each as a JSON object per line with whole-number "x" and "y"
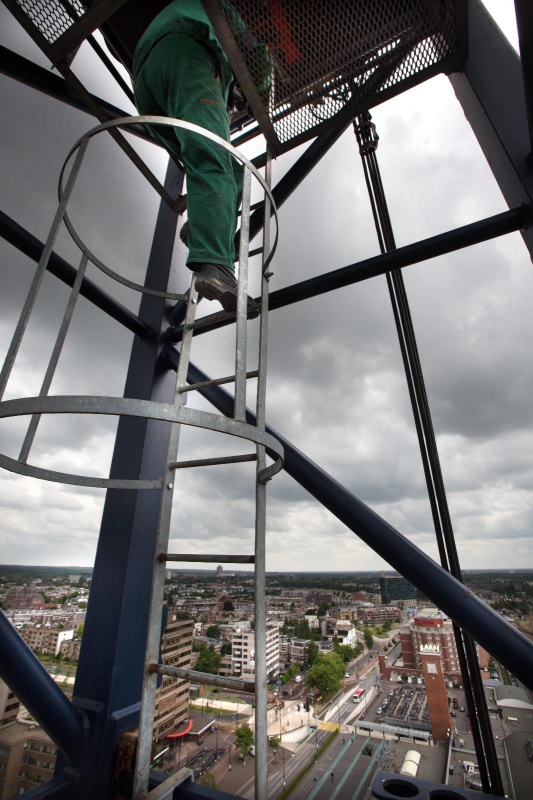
{"x": 172, "y": 698}
{"x": 46, "y": 640}
{"x": 243, "y": 653}
{"x": 9, "y": 704}
{"x": 27, "y": 758}
{"x": 379, "y": 614}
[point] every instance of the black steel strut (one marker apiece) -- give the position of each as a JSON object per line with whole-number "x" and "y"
{"x": 367, "y": 139}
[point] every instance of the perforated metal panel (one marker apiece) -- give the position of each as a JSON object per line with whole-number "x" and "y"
{"x": 59, "y": 26}
{"x": 307, "y": 64}
{"x": 52, "y": 18}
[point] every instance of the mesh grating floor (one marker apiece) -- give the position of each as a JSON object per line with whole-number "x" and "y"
{"x": 312, "y": 62}
{"x": 52, "y": 18}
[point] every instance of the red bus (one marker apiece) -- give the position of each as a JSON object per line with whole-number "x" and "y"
{"x": 358, "y": 694}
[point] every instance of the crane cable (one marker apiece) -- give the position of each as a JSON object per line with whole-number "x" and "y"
{"x": 367, "y": 139}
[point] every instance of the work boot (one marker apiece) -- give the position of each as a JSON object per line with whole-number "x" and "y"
{"x": 216, "y": 282}
{"x": 184, "y": 233}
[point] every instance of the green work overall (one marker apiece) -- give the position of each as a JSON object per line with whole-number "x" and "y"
{"x": 181, "y": 71}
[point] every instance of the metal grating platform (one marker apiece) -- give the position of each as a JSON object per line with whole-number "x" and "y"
{"x": 305, "y": 65}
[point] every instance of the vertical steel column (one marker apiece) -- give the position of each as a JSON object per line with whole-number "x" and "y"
{"x": 524, "y": 21}
{"x": 109, "y": 677}
{"x": 490, "y": 89}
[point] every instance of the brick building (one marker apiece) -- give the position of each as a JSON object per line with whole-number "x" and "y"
{"x": 437, "y": 699}
{"x": 430, "y": 627}
{"x": 378, "y": 614}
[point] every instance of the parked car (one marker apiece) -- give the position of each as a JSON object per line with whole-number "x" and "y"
{"x": 453, "y": 713}
{"x": 461, "y": 708}
{"x": 378, "y": 711}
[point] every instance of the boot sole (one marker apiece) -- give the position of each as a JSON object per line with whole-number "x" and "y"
{"x": 225, "y": 296}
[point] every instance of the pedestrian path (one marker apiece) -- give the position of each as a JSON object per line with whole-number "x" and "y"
{"x": 328, "y": 726}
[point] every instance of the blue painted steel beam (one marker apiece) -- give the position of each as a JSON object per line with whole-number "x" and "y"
{"x": 467, "y": 235}
{"x": 111, "y": 663}
{"x": 491, "y": 90}
{"x": 524, "y": 23}
{"x": 486, "y": 626}
{"x": 21, "y": 69}
{"x": 28, "y": 679}
{"x": 28, "y": 244}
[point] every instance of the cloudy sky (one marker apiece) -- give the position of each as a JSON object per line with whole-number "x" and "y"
{"x": 336, "y": 387}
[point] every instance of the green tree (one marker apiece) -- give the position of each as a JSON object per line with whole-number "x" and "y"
{"x": 293, "y": 670}
{"x": 274, "y": 741}
{"x": 209, "y": 779}
{"x": 225, "y": 650}
{"x": 213, "y": 632}
{"x": 208, "y": 661}
{"x": 228, "y": 606}
{"x": 326, "y": 673}
{"x": 346, "y": 652}
{"x": 244, "y": 739}
{"x": 369, "y": 639}
{"x": 312, "y": 653}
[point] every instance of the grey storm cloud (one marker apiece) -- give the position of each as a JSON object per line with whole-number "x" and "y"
{"x": 336, "y": 387}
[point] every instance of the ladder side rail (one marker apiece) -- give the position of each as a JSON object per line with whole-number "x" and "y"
{"x": 41, "y": 268}
{"x": 28, "y": 244}
{"x": 261, "y": 727}
{"x": 146, "y": 721}
{"x": 54, "y": 358}
{"x": 242, "y": 300}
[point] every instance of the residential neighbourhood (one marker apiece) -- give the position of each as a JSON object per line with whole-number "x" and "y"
{"x": 339, "y": 660}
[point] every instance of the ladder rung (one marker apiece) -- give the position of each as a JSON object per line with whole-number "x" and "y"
{"x": 202, "y": 557}
{"x": 219, "y": 317}
{"x": 210, "y": 462}
{"x": 202, "y": 677}
{"x": 255, "y": 206}
{"x": 216, "y": 382}
{"x": 165, "y": 790}
{"x": 251, "y": 253}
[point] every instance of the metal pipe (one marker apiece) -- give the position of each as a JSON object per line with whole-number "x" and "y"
{"x": 486, "y": 626}
{"x": 28, "y": 679}
{"x": 500, "y": 224}
{"x": 28, "y": 244}
{"x": 202, "y": 677}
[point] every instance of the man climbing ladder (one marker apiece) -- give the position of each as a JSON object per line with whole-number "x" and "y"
{"x": 181, "y": 71}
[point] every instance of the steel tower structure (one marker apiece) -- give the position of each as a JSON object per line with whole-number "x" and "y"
{"x": 313, "y": 93}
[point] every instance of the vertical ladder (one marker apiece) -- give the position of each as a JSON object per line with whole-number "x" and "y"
{"x": 238, "y": 427}
{"x": 177, "y": 414}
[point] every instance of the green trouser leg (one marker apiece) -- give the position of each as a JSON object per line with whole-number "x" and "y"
{"x": 179, "y": 79}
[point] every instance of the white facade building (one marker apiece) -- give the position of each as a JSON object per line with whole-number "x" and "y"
{"x": 243, "y": 653}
